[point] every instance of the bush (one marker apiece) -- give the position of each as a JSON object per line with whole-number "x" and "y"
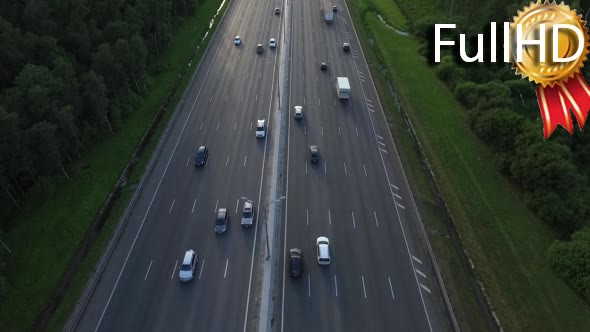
{"x": 571, "y": 260}
{"x": 498, "y": 127}
{"x": 483, "y": 96}
{"x": 449, "y": 72}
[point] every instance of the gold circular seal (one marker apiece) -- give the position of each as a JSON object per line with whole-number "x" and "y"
{"x": 548, "y": 73}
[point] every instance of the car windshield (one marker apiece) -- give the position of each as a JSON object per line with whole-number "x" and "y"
{"x": 259, "y": 128}
{"x": 220, "y": 221}
{"x": 185, "y": 267}
{"x": 247, "y": 214}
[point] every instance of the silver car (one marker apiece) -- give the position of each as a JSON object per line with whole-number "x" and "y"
{"x": 247, "y": 214}
{"x": 189, "y": 264}
{"x": 298, "y": 112}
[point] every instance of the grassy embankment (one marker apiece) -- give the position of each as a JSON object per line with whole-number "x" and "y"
{"x": 47, "y": 233}
{"x": 504, "y": 239}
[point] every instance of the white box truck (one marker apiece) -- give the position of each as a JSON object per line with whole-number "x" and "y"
{"x": 343, "y": 87}
{"x": 327, "y": 11}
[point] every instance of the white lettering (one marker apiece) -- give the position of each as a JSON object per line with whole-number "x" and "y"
{"x": 478, "y": 56}
{"x": 493, "y": 42}
{"x": 520, "y": 42}
{"x": 506, "y": 42}
{"x": 437, "y": 42}
{"x": 556, "y": 57}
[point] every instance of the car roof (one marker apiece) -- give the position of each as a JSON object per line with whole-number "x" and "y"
{"x": 322, "y": 239}
{"x": 260, "y": 122}
{"x": 221, "y": 213}
{"x": 298, "y": 107}
{"x": 187, "y": 257}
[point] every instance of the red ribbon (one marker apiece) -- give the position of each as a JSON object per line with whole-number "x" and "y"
{"x": 556, "y": 102}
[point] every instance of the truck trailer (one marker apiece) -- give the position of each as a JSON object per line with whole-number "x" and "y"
{"x": 343, "y": 87}
{"x": 327, "y": 11}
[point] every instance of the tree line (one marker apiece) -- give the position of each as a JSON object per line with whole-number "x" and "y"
{"x": 503, "y": 112}
{"x": 70, "y": 71}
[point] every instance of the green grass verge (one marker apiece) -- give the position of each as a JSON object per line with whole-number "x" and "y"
{"x": 505, "y": 240}
{"x": 46, "y": 234}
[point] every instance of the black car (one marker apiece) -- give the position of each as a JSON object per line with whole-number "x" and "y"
{"x": 201, "y": 156}
{"x": 221, "y": 221}
{"x": 295, "y": 262}
{"x": 314, "y": 153}
{"x": 346, "y": 47}
{"x": 277, "y": 11}
{"x": 323, "y": 65}
{"x": 334, "y": 9}
{"x": 259, "y": 48}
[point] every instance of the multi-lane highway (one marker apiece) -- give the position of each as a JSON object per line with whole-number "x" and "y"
{"x": 381, "y": 277}
{"x": 139, "y": 289}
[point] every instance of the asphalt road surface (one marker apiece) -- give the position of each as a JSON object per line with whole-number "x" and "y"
{"x": 140, "y": 290}
{"x": 380, "y": 277}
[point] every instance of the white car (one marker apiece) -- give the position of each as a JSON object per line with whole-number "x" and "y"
{"x": 189, "y": 264}
{"x": 260, "y": 129}
{"x": 237, "y": 40}
{"x": 323, "y": 249}
{"x": 298, "y": 112}
{"x": 272, "y": 43}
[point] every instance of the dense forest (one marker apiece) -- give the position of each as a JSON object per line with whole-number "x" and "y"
{"x": 70, "y": 71}
{"x": 503, "y": 112}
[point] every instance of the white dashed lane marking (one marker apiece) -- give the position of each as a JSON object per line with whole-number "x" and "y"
{"x": 171, "y": 206}
{"x": 174, "y": 269}
{"x": 148, "y": 270}
{"x": 390, "y": 288}
{"x": 202, "y": 267}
